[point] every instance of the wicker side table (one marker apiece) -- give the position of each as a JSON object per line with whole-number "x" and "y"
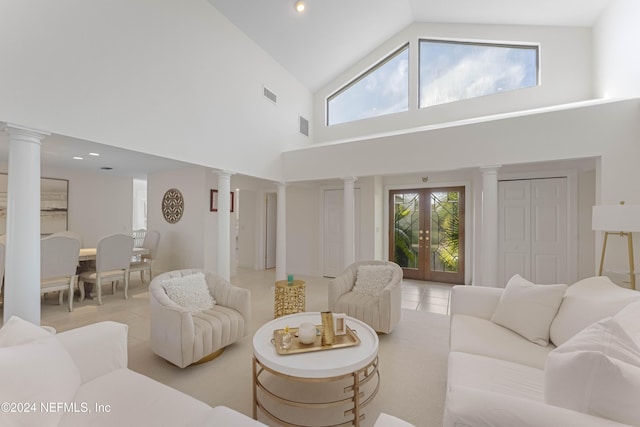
{"x": 289, "y": 298}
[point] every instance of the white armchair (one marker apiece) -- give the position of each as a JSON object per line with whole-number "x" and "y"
{"x": 183, "y": 338}
{"x": 381, "y": 310}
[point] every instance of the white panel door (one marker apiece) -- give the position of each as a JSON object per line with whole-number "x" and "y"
{"x": 533, "y": 230}
{"x": 333, "y": 231}
{"x": 514, "y": 229}
{"x": 549, "y": 230}
{"x": 271, "y": 221}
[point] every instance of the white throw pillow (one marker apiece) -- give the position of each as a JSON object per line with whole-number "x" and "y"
{"x": 18, "y": 331}
{"x": 528, "y": 309}
{"x": 372, "y": 279}
{"x": 189, "y": 292}
{"x": 596, "y": 372}
{"x": 37, "y": 373}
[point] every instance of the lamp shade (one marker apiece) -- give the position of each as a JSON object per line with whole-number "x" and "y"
{"x": 616, "y": 218}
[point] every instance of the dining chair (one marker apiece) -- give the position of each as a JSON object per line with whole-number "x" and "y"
{"x": 151, "y": 241}
{"x": 58, "y": 264}
{"x": 138, "y": 237}
{"x": 113, "y": 256}
{"x": 73, "y": 234}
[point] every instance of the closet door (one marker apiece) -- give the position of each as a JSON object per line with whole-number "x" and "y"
{"x": 533, "y": 231}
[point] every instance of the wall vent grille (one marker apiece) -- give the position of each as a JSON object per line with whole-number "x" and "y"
{"x": 271, "y": 96}
{"x": 304, "y": 126}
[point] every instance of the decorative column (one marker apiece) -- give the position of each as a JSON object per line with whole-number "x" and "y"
{"x": 224, "y": 224}
{"x": 349, "y": 228}
{"x": 22, "y": 259}
{"x": 489, "y": 230}
{"x": 281, "y": 233}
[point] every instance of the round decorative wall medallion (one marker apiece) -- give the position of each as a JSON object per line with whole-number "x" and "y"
{"x": 172, "y": 205}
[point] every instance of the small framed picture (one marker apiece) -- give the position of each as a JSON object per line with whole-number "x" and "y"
{"x": 339, "y": 325}
{"x": 214, "y": 201}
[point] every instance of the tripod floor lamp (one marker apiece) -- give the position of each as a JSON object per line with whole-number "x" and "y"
{"x": 622, "y": 220}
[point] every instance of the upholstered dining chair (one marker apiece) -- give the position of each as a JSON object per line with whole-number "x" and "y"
{"x": 73, "y": 234}
{"x": 58, "y": 264}
{"x": 151, "y": 241}
{"x": 138, "y": 237}
{"x": 113, "y": 256}
{"x": 369, "y": 291}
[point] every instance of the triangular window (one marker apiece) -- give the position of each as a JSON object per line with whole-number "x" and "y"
{"x": 381, "y": 90}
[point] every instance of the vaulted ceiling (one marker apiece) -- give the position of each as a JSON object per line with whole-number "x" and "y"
{"x": 330, "y": 35}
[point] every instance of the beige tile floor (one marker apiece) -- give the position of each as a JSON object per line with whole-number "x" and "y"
{"x": 416, "y": 295}
{"x": 426, "y": 296}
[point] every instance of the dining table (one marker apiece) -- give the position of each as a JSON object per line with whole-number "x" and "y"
{"x": 89, "y": 254}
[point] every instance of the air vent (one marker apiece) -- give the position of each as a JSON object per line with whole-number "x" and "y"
{"x": 304, "y": 126}
{"x": 269, "y": 95}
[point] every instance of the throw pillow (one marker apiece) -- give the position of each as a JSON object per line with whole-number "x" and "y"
{"x": 597, "y": 371}
{"x": 35, "y": 373}
{"x": 372, "y": 279}
{"x": 528, "y": 309}
{"x": 18, "y": 331}
{"x": 189, "y": 292}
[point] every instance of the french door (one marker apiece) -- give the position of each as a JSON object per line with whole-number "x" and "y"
{"x": 426, "y": 233}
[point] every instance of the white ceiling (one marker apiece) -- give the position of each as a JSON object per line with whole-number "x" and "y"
{"x": 331, "y": 35}
{"x": 318, "y": 45}
{"x": 59, "y": 151}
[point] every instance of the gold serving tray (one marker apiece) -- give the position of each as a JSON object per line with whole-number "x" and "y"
{"x": 339, "y": 341}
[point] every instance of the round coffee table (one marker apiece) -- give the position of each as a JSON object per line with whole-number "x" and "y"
{"x": 357, "y": 365}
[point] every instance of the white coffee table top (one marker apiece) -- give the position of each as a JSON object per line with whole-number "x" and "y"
{"x": 317, "y": 364}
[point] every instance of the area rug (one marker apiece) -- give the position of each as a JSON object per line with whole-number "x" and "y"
{"x": 412, "y": 363}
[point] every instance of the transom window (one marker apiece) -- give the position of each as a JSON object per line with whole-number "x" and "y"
{"x": 383, "y": 89}
{"x": 452, "y": 71}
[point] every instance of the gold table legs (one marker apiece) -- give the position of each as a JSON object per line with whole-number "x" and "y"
{"x": 354, "y": 397}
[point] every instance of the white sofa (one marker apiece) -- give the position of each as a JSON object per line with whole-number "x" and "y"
{"x": 80, "y": 378}
{"x": 496, "y": 377}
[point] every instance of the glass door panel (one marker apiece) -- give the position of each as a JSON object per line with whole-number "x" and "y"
{"x": 444, "y": 253}
{"x": 406, "y": 230}
{"x": 427, "y": 233}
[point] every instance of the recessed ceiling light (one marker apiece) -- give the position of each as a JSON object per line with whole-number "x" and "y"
{"x": 299, "y": 6}
{"x": 94, "y": 154}
{"x": 77, "y": 158}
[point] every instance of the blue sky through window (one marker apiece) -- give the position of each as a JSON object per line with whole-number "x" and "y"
{"x": 383, "y": 90}
{"x": 452, "y": 71}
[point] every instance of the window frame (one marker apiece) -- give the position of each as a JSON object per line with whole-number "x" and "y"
{"x": 405, "y": 46}
{"x": 524, "y": 45}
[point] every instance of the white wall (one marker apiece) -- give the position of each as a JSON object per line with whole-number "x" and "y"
{"x": 99, "y": 204}
{"x": 565, "y": 62}
{"x": 169, "y": 77}
{"x": 182, "y": 245}
{"x": 303, "y": 230}
{"x": 616, "y": 53}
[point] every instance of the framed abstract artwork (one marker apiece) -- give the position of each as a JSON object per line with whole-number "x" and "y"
{"x": 54, "y": 205}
